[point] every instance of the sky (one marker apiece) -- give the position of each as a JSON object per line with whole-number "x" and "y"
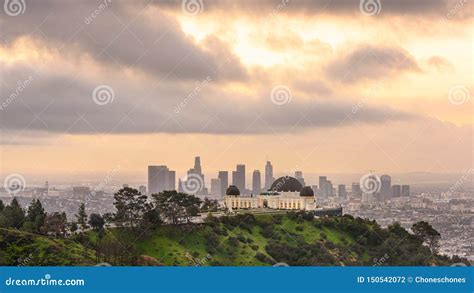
{"x": 341, "y": 86}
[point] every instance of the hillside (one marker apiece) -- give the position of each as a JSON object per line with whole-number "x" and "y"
{"x": 296, "y": 239}
{"x": 19, "y": 248}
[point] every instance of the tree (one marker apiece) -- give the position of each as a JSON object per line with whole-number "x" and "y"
{"x": 427, "y": 234}
{"x": 35, "y": 216}
{"x": 73, "y": 227}
{"x": 209, "y": 205}
{"x": 82, "y": 217}
{"x": 176, "y": 207}
{"x": 2, "y": 206}
{"x": 55, "y": 224}
{"x": 97, "y": 222}
{"x": 14, "y": 214}
{"x": 130, "y": 205}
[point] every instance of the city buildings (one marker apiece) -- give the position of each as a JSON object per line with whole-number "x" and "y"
{"x": 256, "y": 182}
{"x": 268, "y": 175}
{"x": 385, "y": 187}
{"x": 160, "y": 178}
{"x": 405, "y": 190}
{"x": 341, "y": 191}
{"x": 396, "y": 190}
{"x": 224, "y": 177}
{"x": 299, "y": 177}
{"x": 238, "y": 178}
{"x": 216, "y": 187}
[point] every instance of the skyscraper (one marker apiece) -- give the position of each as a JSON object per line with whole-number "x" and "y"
{"x": 171, "y": 180}
{"x": 299, "y": 176}
{"x": 196, "y": 183}
{"x": 322, "y": 186}
{"x": 159, "y": 179}
{"x": 329, "y": 188}
{"x": 256, "y": 182}
{"x": 396, "y": 190}
{"x": 224, "y": 177}
{"x": 405, "y": 190}
{"x": 238, "y": 178}
{"x": 216, "y": 187}
{"x": 268, "y": 175}
{"x": 341, "y": 191}
{"x": 386, "y": 187}
{"x": 142, "y": 189}
{"x": 355, "y": 190}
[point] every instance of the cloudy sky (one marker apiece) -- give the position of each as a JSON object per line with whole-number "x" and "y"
{"x": 317, "y": 85}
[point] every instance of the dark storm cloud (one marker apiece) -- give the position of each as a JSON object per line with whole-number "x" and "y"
{"x": 371, "y": 62}
{"x": 62, "y": 103}
{"x": 121, "y": 33}
{"x": 401, "y": 7}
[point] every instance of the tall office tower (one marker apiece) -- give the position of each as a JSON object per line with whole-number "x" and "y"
{"x": 322, "y": 186}
{"x": 171, "y": 180}
{"x": 256, "y": 182}
{"x": 195, "y": 174}
{"x": 341, "y": 191}
{"x": 386, "y": 187}
{"x": 216, "y": 187}
{"x": 159, "y": 179}
{"x": 268, "y": 175}
{"x": 329, "y": 188}
{"x": 180, "y": 185}
{"x": 224, "y": 177}
{"x": 405, "y": 190}
{"x": 299, "y": 176}
{"x": 197, "y": 165}
{"x": 356, "y": 191}
{"x": 396, "y": 190}
{"x": 142, "y": 189}
{"x": 238, "y": 178}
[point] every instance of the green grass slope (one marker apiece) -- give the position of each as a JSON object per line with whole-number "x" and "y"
{"x": 19, "y": 248}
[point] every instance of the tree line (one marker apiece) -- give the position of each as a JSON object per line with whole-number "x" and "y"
{"x": 133, "y": 210}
